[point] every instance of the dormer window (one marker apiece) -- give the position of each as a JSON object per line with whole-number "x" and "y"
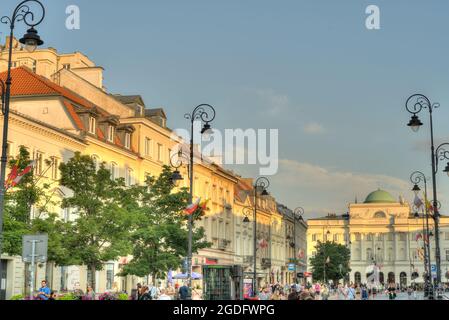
{"x": 92, "y": 125}
{"x": 111, "y": 133}
{"x": 128, "y": 140}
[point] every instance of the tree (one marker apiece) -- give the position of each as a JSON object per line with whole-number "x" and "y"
{"x": 100, "y": 231}
{"x": 161, "y": 235}
{"x": 335, "y": 257}
{"x": 29, "y": 193}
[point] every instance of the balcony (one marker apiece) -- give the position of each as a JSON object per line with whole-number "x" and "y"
{"x": 266, "y": 263}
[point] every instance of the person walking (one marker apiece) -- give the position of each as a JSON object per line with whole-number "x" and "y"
{"x": 364, "y": 293}
{"x": 164, "y": 296}
{"x": 145, "y": 294}
{"x": 351, "y": 293}
{"x": 293, "y": 295}
{"x": 264, "y": 295}
{"x": 184, "y": 292}
{"x": 325, "y": 293}
{"x": 391, "y": 291}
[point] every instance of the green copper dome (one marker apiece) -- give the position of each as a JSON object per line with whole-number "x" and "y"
{"x": 380, "y": 196}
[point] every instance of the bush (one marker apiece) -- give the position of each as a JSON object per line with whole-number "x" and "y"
{"x": 108, "y": 296}
{"x": 123, "y": 296}
{"x": 68, "y": 297}
{"x": 17, "y": 297}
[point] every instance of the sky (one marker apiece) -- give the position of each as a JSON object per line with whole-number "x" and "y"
{"x": 335, "y": 90}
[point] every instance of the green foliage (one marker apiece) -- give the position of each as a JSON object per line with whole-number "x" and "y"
{"x": 160, "y": 236}
{"x": 31, "y": 192}
{"x": 17, "y": 297}
{"x": 337, "y": 255}
{"x": 68, "y": 297}
{"x": 123, "y": 296}
{"x": 100, "y": 232}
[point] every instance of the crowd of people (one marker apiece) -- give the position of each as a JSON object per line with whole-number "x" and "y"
{"x": 320, "y": 291}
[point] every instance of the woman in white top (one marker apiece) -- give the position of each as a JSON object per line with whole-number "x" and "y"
{"x": 163, "y": 295}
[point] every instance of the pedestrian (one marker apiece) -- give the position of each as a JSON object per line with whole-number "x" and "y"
{"x": 44, "y": 291}
{"x": 364, "y": 293}
{"x": 351, "y": 292}
{"x": 138, "y": 292}
{"x": 391, "y": 291}
{"x": 264, "y": 295}
{"x": 164, "y": 295}
{"x": 276, "y": 295}
{"x": 90, "y": 294}
{"x": 293, "y": 295}
{"x": 184, "y": 292}
{"x": 325, "y": 293}
{"x": 170, "y": 291}
{"x": 145, "y": 294}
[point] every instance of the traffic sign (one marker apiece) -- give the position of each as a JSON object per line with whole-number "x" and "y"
{"x": 35, "y": 246}
{"x": 292, "y": 267}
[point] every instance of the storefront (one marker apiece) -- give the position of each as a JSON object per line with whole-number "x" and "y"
{"x": 222, "y": 282}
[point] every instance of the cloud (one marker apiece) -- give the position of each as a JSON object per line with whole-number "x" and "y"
{"x": 314, "y": 128}
{"x": 273, "y": 102}
{"x": 325, "y": 190}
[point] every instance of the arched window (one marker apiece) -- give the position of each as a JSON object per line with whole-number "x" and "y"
{"x": 357, "y": 278}
{"x": 114, "y": 170}
{"x": 380, "y": 215}
{"x": 391, "y": 278}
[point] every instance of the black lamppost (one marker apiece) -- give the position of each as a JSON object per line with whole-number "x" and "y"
{"x": 31, "y": 40}
{"x": 260, "y": 187}
{"x": 416, "y": 178}
{"x": 414, "y": 105}
{"x": 206, "y": 114}
{"x": 298, "y": 214}
{"x": 325, "y": 240}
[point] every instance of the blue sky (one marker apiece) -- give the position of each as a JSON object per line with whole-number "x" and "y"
{"x": 335, "y": 90}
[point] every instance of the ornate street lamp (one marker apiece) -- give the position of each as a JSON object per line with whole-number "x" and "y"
{"x": 260, "y": 187}
{"x": 177, "y": 160}
{"x": 206, "y": 114}
{"x": 414, "y": 105}
{"x": 298, "y": 214}
{"x": 31, "y": 40}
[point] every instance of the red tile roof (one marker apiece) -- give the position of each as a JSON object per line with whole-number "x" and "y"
{"x": 26, "y": 83}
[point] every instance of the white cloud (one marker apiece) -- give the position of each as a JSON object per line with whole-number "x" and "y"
{"x": 273, "y": 102}
{"x": 321, "y": 190}
{"x": 314, "y": 128}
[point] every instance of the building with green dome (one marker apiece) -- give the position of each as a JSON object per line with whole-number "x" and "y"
{"x": 383, "y": 233}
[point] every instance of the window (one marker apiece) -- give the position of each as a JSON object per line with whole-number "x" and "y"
{"x": 336, "y": 237}
{"x": 380, "y": 215}
{"x": 66, "y": 214}
{"x": 129, "y": 177}
{"x": 402, "y": 236}
{"x": 34, "y": 66}
{"x": 447, "y": 255}
{"x": 369, "y": 237}
{"x": 128, "y": 140}
{"x": 159, "y": 152}
{"x": 446, "y": 236}
{"x": 369, "y": 254}
{"x": 39, "y": 158}
{"x": 313, "y": 254}
{"x": 111, "y": 133}
{"x": 148, "y": 147}
{"x": 109, "y": 276}
{"x": 54, "y": 168}
{"x": 380, "y": 237}
{"x": 66, "y": 66}
{"x": 390, "y": 237}
{"x": 113, "y": 170}
{"x": 92, "y": 125}
{"x": 96, "y": 161}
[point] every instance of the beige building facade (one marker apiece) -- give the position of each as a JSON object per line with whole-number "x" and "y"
{"x": 381, "y": 232}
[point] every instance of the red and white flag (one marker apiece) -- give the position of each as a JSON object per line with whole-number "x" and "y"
{"x": 15, "y": 176}
{"x": 193, "y": 207}
{"x": 419, "y": 236}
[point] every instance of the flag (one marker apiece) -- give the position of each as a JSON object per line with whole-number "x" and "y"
{"x": 15, "y": 180}
{"x": 418, "y": 237}
{"x": 418, "y": 202}
{"x": 12, "y": 175}
{"x": 203, "y": 204}
{"x": 429, "y": 206}
{"x": 193, "y": 207}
